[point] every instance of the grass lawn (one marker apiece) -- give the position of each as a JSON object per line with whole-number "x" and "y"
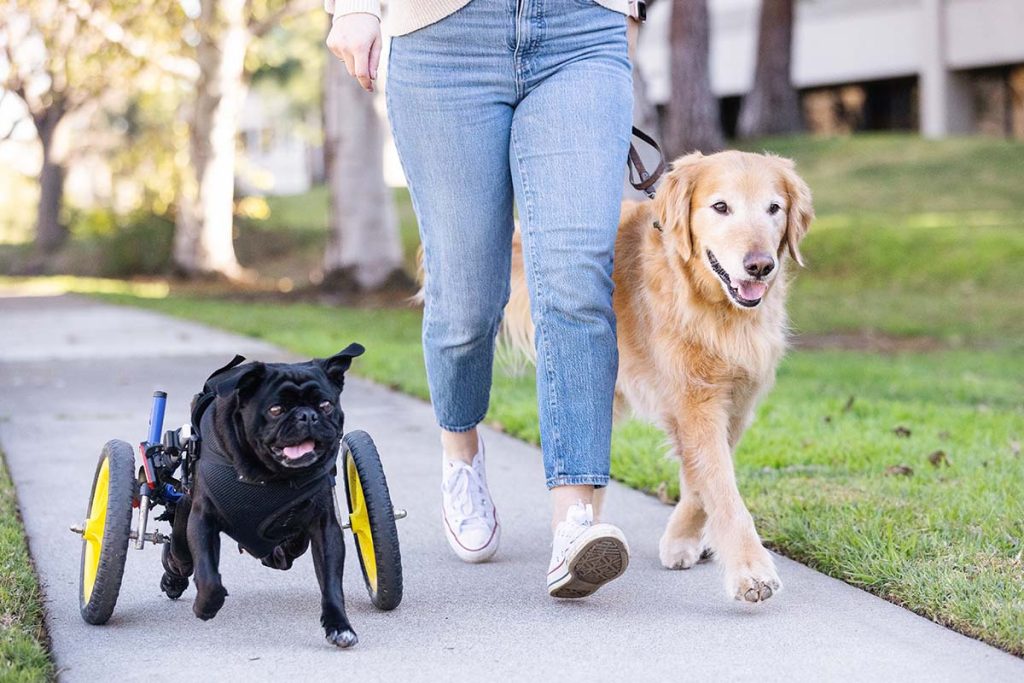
{"x": 23, "y": 655}
{"x": 900, "y": 473}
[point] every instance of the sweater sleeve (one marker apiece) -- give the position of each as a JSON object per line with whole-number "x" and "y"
{"x": 339, "y": 7}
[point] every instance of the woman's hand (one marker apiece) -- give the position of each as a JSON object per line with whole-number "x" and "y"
{"x": 355, "y": 39}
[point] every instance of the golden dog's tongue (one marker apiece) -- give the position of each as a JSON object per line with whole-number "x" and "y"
{"x": 298, "y": 450}
{"x": 752, "y": 291}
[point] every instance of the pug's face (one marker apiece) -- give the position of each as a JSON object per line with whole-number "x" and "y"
{"x": 290, "y": 415}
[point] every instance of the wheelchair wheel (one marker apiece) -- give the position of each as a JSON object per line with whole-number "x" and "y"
{"x": 106, "y": 531}
{"x": 372, "y": 517}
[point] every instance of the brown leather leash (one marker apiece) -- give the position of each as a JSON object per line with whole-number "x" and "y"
{"x": 645, "y": 181}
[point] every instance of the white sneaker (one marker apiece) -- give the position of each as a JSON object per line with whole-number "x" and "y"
{"x": 470, "y": 520}
{"x": 585, "y": 556}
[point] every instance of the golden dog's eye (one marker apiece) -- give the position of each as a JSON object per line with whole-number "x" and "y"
{"x": 326, "y": 407}
{"x": 720, "y": 207}
{"x": 774, "y": 208}
{"x": 275, "y": 411}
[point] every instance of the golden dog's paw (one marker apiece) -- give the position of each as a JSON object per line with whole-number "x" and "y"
{"x": 679, "y": 553}
{"x": 753, "y": 582}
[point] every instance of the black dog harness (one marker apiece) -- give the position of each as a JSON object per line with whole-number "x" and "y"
{"x": 259, "y": 515}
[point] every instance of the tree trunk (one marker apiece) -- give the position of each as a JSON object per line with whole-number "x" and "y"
{"x": 773, "y": 106}
{"x": 364, "y": 251}
{"x": 203, "y": 243}
{"x": 693, "y": 119}
{"x": 51, "y": 234}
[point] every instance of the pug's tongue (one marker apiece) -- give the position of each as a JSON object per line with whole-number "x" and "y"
{"x": 298, "y": 450}
{"x": 751, "y": 290}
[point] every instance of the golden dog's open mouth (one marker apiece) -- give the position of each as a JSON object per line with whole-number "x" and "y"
{"x": 747, "y": 293}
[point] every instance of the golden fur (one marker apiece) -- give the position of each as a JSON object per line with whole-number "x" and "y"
{"x": 692, "y": 359}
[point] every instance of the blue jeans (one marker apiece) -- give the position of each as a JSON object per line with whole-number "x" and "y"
{"x": 529, "y": 99}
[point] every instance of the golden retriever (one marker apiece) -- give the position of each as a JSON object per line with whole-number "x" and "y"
{"x": 700, "y": 295}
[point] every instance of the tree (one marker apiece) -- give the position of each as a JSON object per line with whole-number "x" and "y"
{"x": 364, "y": 251}
{"x": 692, "y": 118}
{"x": 59, "y": 57}
{"x": 203, "y": 239}
{"x": 772, "y": 107}
{"x": 203, "y": 236}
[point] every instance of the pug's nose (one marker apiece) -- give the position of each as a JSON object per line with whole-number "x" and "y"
{"x": 758, "y": 264}
{"x": 306, "y": 416}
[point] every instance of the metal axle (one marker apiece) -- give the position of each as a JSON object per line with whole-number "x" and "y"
{"x": 399, "y": 514}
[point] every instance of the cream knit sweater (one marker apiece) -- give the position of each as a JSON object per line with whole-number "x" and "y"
{"x": 405, "y": 16}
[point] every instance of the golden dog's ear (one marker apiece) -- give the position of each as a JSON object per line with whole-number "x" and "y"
{"x": 801, "y": 211}
{"x": 672, "y": 202}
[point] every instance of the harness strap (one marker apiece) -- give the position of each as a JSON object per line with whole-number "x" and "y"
{"x": 645, "y": 181}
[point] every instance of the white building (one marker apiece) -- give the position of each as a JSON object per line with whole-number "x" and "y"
{"x": 959, "y": 64}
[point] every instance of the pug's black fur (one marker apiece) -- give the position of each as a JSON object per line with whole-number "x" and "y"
{"x": 258, "y": 411}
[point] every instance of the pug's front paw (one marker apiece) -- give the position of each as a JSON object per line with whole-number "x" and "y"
{"x": 344, "y": 638}
{"x": 208, "y": 602}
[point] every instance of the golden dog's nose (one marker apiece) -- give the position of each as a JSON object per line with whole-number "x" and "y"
{"x": 758, "y": 263}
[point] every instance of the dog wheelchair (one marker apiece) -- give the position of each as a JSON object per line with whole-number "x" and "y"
{"x": 165, "y": 475}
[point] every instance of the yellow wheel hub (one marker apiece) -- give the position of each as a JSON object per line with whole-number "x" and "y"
{"x": 359, "y": 519}
{"x": 92, "y": 535}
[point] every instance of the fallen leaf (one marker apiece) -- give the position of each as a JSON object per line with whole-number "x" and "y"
{"x": 899, "y": 471}
{"x": 901, "y": 431}
{"x": 938, "y": 459}
{"x": 1015, "y": 447}
{"x": 497, "y": 426}
{"x": 849, "y": 404}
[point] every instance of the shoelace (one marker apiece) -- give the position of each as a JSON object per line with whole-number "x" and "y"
{"x": 578, "y": 518}
{"x": 467, "y": 494}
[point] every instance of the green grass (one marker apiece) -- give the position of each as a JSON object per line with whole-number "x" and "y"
{"x": 23, "y": 651}
{"x": 913, "y": 237}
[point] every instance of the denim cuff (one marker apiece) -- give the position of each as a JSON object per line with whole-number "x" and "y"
{"x": 463, "y": 428}
{"x": 595, "y": 480}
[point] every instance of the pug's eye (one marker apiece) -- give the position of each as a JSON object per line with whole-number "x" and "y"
{"x": 275, "y": 411}
{"x": 774, "y": 208}
{"x": 326, "y": 407}
{"x": 720, "y": 207}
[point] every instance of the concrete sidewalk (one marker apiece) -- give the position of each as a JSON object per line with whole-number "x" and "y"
{"x": 75, "y": 373}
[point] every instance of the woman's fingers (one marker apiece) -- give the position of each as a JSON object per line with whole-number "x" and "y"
{"x": 361, "y": 65}
{"x": 374, "y": 58}
{"x": 355, "y": 39}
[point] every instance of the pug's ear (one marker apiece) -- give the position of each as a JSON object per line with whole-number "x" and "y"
{"x": 249, "y": 379}
{"x": 336, "y": 366}
{"x": 672, "y": 202}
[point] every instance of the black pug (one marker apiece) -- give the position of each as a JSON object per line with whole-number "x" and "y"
{"x": 269, "y": 435}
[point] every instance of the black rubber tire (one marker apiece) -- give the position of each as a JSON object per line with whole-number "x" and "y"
{"x": 360, "y": 448}
{"x": 116, "y": 532}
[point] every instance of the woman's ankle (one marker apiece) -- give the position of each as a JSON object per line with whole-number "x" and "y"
{"x": 564, "y": 497}
{"x": 460, "y": 446}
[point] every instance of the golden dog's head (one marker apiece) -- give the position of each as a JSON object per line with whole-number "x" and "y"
{"x": 731, "y": 217}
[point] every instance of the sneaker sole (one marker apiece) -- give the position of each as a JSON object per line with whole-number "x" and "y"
{"x": 599, "y": 560}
